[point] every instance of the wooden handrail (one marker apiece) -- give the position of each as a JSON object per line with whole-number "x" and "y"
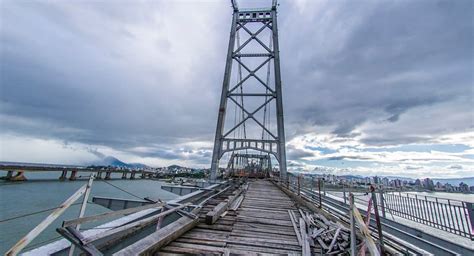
{"x": 109, "y": 214}
{"x": 22, "y": 243}
{"x": 365, "y": 232}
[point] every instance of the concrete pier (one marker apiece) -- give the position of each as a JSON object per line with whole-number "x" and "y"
{"x": 19, "y": 176}
{"x": 73, "y": 175}
{"x": 63, "y": 176}
{"x": 9, "y": 175}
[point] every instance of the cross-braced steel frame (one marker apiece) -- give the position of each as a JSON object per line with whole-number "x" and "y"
{"x": 275, "y": 143}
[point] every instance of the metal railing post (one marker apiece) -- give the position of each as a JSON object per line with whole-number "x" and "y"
{"x": 288, "y": 180}
{"x": 299, "y": 184}
{"x": 324, "y": 187}
{"x": 319, "y": 192}
{"x": 377, "y": 219}
{"x": 470, "y": 214}
{"x": 353, "y": 229}
{"x": 382, "y": 202}
{"x": 344, "y": 193}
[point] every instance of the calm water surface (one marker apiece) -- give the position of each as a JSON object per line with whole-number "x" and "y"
{"x": 43, "y": 190}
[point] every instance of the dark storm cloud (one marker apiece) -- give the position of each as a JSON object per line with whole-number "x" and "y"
{"x": 63, "y": 79}
{"x": 129, "y": 75}
{"x": 365, "y": 58}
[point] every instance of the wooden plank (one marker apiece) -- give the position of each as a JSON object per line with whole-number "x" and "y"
{"x": 263, "y": 250}
{"x": 237, "y": 203}
{"x": 269, "y": 232}
{"x": 82, "y": 211}
{"x": 212, "y": 216}
{"x": 278, "y": 216}
{"x": 255, "y": 228}
{"x": 264, "y": 235}
{"x": 134, "y": 226}
{"x": 267, "y": 240}
{"x": 205, "y": 230}
{"x": 255, "y": 207}
{"x": 235, "y": 252}
{"x": 215, "y": 227}
{"x": 76, "y": 239}
{"x": 365, "y": 232}
{"x": 200, "y": 241}
{"x": 188, "y": 251}
{"x": 213, "y": 237}
{"x": 151, "y": 243}
{"x": 295, "y": 227}
{"x": 321, "y": 242}
{"x": 334, "y": 240}
{"x": 109, "y": 214}
{"x": 198, "y": 247}
{"x": 305, "y": 249}
{"x": 264, "y": 221}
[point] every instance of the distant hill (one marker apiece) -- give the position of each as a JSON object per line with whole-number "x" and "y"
{"x": 175, "y": 166}
{"x": 112, "y": 161}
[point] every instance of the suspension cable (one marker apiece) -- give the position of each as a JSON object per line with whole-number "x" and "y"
{"x": 34, "y": 213}
{"x": 123, "y": 190}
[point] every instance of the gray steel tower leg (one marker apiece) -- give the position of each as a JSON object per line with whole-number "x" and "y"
{"x": 279, "y": 100}
{"x": 223, "y": 103}
{"x": 275, "y": 144}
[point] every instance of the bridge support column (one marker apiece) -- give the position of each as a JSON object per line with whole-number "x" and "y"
{"x": 9, "y": 175}
{"x": 73, "y": 175}
{"x": 132, "y": 176}
{"x": 124, "y": 175}
{"x": 19, "y": 176}
{"x": 142, "y": 175}
{"x": 99, "y": 176}
{"x": 107, "y": 175}
{"x": 63, "y": 176}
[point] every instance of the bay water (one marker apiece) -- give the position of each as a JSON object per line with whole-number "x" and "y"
{"x": 44, "y": 190}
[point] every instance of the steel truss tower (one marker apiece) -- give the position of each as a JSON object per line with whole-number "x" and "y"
{"x": 274, "y": 144}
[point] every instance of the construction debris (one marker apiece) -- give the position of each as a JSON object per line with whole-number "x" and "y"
{"x": 332, "y": 237}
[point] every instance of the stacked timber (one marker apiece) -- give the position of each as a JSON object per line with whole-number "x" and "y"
{"x": 315, "y": 229}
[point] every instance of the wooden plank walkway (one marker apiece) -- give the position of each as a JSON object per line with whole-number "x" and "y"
{"x": 261, "y": 225}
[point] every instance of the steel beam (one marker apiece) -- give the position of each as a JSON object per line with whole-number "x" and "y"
{"x": 279, "y": 100}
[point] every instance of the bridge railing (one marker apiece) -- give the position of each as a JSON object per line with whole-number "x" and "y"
{"x": 453, "y": 216}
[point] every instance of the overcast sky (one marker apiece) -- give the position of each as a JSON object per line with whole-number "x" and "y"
{"x": 369, "y": 87}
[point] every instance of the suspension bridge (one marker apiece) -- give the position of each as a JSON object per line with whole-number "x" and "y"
{"x": 253, "y": 206}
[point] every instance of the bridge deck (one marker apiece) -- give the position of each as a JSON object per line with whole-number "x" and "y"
{"x": 260, "y": 225}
